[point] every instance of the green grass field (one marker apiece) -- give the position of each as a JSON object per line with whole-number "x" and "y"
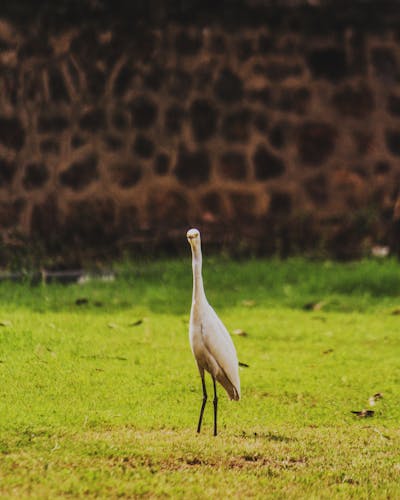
{"x": 102, "y": 399}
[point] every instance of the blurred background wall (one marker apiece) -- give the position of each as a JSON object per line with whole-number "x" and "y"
{"x": 273, "y": 126}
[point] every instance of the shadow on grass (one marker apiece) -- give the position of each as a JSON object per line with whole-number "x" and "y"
{"x": 268, "y": 436}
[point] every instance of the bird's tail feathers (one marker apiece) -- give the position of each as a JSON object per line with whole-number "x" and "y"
{"x": 232, "y": 391}
{"x": 236, "y": 395}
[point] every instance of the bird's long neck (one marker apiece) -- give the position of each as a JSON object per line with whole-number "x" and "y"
{"x": 198, "y": 287}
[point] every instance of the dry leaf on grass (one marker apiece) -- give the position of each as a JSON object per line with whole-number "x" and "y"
{"x": 240, "y": 332}
{"x": 364, "y": 413}
{"x": 248, "y": 303}
{"x": 136, "y": 323}
{"x": 314, "y": 306}
{"x": 373, "y": 399}
{"x": 81, "y": 301}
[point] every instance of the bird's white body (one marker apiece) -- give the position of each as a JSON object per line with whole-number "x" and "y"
{"x": 210, "y": 341}
{"x": 213, "y": 348}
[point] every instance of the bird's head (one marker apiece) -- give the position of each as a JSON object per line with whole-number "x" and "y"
{"x": 193, "y": 237}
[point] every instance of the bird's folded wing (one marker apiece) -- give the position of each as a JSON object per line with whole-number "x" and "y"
{"x": 219, "y": 343}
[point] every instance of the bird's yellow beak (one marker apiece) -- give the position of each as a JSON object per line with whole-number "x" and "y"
{"x": 192, "y": 234}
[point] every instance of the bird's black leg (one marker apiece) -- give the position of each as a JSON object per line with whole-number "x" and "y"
{"x": 215, "y": 407}
{"x": 203, "y": 404}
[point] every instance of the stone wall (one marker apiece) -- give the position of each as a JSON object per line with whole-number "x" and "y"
{"x": 276, "y": 133}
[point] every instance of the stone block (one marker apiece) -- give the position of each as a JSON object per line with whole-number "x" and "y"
{"x": 144, "y": 112}
{"x": 161, "y": 164}
{"x": 58, "y": 87}
{"x": 228, "y": 87}
{"x": 393, "y": 141}
{"x": 120, "y": 119}
{"x": 393, "y": 105}
{"x": 36, "y": 175}
{"x": 168, "y": 205}
{"x": 266, "y": 164}
{"x": 127, "y": 174}
{"x": 385, "y": 63}
{"x": 112, "y": 142}
{"x": 316, "y": 142}
{"x": 179, "y": 83}
{"x": 45, "y": 221}
{"x": 50, "y": 146}
{"x": 356, "y": 102}
{"x": 12, "y": 133}
{"x": 236, "y": 126}
{"x": 123, "y": 81}
{"x": 143, "y": 146}
{"x": 90, "y": 222}
{"x": 192, "y": 167}
{"x": 328, "y": 63}
{"x": 10, "y": 212}
{"x": 294, "y": 100}
{"x": 80, "y": 173}
{"x": 8, "y": 170}
{"x": 280, "y": 204}
{"x": 174, "y": 117}
{"x": 317, "y": 189}
{"x": 203, "y": 117}
{"x": 278, "y": 134}
{"x": 232, "y": 166}
{"x": 245, "y": 49}
{"x": 52, "y": 122}
{"x": 187, "y": 44}
{"x": 93, "y": 120}
{"x": 244, "y": 206}
{"x": 211, "y": 203}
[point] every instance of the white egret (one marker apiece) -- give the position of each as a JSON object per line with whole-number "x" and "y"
{"x": 210, "y": 341}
